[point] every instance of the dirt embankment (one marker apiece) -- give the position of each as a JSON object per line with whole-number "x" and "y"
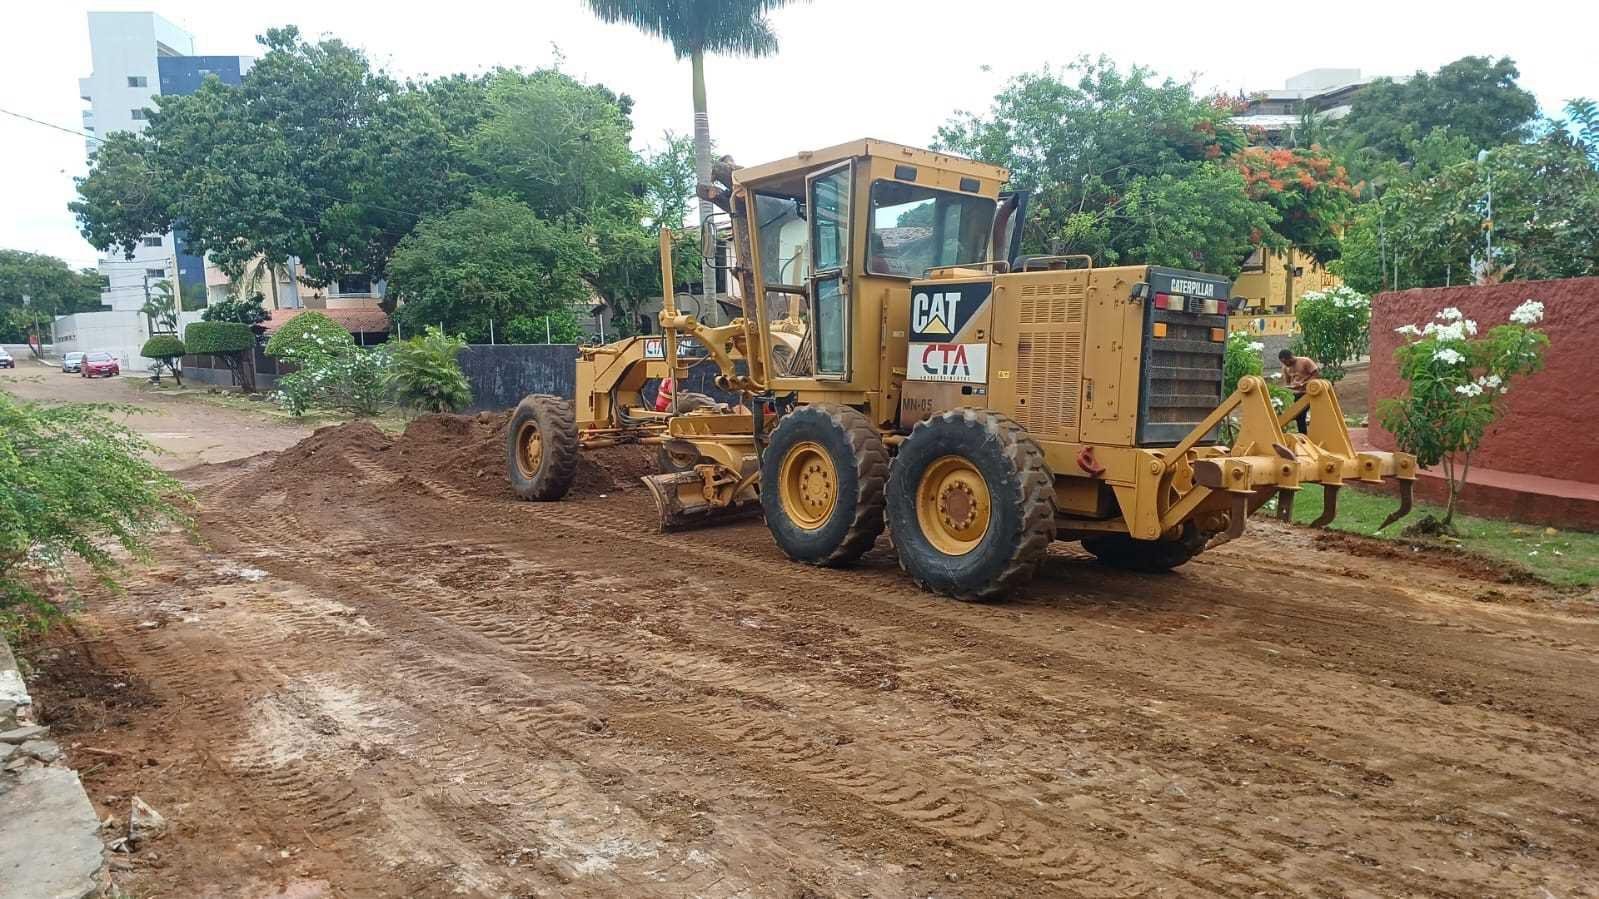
{"x": 381, "y": 676}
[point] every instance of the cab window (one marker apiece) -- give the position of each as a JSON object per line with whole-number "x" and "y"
{"x": 916, "y": 228}
{"x": 780, "y": 229}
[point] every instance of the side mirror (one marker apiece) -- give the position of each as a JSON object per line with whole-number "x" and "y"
{"x": 708, "y": 238}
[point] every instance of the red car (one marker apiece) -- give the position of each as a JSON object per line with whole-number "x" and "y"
{"x": 100, "y": 365}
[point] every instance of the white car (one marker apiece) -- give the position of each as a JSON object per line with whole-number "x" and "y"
{"x": 5, "y": 359}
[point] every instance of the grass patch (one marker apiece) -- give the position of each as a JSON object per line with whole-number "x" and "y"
{"x": 1564, "y": 558}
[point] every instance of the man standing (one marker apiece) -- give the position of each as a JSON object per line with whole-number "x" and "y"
{"x": 1297, "y": 372}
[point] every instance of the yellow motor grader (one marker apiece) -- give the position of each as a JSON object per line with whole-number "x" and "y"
{"x": 977, "y": 402}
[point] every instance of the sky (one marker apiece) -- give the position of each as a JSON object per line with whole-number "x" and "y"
{"x": 891, "y": 69}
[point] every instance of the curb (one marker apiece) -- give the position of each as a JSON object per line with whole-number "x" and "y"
{"x": 50, "y": 844}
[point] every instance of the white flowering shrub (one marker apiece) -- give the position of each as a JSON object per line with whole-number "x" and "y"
{"x": 1242, "y": 358}
{"x": 329, "y": 370}
{"x": 1456, "y": 377}
{"x": 1334, "y": 328}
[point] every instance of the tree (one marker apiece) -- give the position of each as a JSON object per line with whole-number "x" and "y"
{"x": 1454, "y": 380}
{"x": 308, "y": 337}
{"x": 161, "y": 308}
{"x": 52, "y": 289}
{"x": 695, "y": 28}
{"x": 166, "y": 350}
{"x": 494, "y": 260}
{"x": 232, "y": 342}
{"x": 1126, "y": 168}
{"x": 244, "y": 311}
{"x": 78, "y": 486}
{"x": 1475, "y": 97}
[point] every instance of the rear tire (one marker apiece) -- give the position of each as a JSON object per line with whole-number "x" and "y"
{"x": 971, "y": 504}
{"x": 1149, "y": 556}
{"x": 541, "y": 448}
{"x": 822, "y": 476}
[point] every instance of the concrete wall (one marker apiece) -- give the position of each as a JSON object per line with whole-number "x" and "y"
{"x": 1546, "y": 426}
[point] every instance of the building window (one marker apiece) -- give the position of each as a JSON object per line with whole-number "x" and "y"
{"x": 140, "y": 115}
{"x": 138, "y": 81}
{"x": 355, "y": 285}
{"x": 155, "y": 273}
{"x": 152, "y": 241}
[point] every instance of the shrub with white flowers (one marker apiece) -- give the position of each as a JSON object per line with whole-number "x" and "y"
{"x": 1334, "y": 328}
{"x": 329, "y": 370}
{"x": 1455, "y": 379}
{"x": 1242, "y": 358}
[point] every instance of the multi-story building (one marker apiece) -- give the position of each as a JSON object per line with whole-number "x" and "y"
{"x": 136, "y": 57}
{"x": 1324, "y": 93}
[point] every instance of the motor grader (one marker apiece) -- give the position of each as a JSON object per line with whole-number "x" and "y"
{"x": 978, "y": 402}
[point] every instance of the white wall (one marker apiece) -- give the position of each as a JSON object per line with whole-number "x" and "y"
{"x": 120, "y": 333}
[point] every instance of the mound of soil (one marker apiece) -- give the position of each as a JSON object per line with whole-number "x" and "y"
{"x": 468, "y": 452}
{"x": 320, "y": 459}
{"x": 1456, "y": 561}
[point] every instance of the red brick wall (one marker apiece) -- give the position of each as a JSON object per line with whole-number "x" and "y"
{"x": 1549, "y": 423}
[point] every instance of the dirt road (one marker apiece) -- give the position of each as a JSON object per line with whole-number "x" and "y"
{"x": 384, "y": 677}
{"x": 188, "y": 431}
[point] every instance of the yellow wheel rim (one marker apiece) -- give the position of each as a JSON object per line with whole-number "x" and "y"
{"x": 529, "y": 449}
{"x": 808, "y": 485}
{"x": 952, "y": 505}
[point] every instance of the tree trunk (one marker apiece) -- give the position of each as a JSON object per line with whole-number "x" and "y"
{"x": 702, "y": 174}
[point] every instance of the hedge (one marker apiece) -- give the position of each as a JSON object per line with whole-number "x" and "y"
{"x": 218, "y": 337}
{"x": 163, "y": 346}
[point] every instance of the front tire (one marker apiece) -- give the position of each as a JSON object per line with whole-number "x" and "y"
{"x": 541, "y": 448}
{"x": 971, "y": 504}
{"x": 822, "y": 476}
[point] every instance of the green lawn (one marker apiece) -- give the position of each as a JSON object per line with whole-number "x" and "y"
{"x": 1564, "y": 558}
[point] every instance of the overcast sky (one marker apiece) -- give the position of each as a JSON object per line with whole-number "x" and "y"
{"x": 893, "y": 69}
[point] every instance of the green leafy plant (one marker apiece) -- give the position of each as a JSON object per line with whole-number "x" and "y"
{"x": 307, "y": 337}
{"x": 424, "y": 374}
{"x": 1455, "y": 379}
{"x": 165, "y": 349}
{"x": 244, "y": 311}
{"x": 1334, "y": 328}
{"x": 78, "y": 485}
{"x": 1242, "y": 358}
{"x": 232, "y": 342}
{"x": 352, "y": 381}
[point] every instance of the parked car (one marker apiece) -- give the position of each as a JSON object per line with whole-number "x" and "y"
{"x": 101, "y": 365}
{"x": 72, "y": 362}
{"x": 5, "y": 359}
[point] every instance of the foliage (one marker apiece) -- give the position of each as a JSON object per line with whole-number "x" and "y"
{"x": 350, "y": 380}
{"x": 736, "y": 27}
{"x": 1455, "y": 378}
{"x": 307, "y": 336}
{"x": 78, "y": 486}
{"x": 1334, "y": 328}
{"x": 559, "y": 326}
{"x": 52, "y": 288}
{"x": 424, "y": 374}
{"x": 1475, "y": 97}
{"x": 1241, "y": 359}
{"x": 229, "y": 341}
{"x": 245, "y": 312}
{"x": 161, "y": 307}
{"x": 163, "y": 346}
{"x": 495, "y": 259}
{"x": 1126, "y": 168}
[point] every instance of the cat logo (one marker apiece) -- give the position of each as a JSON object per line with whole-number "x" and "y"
{"x": 933, "y": 313}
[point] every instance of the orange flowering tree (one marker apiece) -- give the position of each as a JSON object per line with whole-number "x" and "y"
{"x": 1310, "y": 192}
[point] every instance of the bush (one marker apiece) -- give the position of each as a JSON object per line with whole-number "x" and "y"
{"x": 424, "y": 373}
{"x": 218, "y": 338}
{"x": 1334, "y": 328}
{"x": 78, "y": 485}
{"x": 307, "y": 336}
{"x": 163, "y": 347}
{"x": 351, "y": 381}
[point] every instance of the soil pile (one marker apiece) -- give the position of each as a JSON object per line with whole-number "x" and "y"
{"x": 468, "y": 452}
{"x": 323, "y": 457}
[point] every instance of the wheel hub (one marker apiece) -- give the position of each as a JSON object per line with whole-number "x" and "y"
{"x": 953, "y": 506}
{"x": 532, "y": 449}
{"x": 808, "y": 485}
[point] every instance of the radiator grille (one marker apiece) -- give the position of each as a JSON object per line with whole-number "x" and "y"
{"x": 1049, "y": 358}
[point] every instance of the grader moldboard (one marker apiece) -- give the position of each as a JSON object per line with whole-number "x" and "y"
{"x": 980, "y": 403}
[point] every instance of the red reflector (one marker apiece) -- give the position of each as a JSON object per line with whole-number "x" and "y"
{"x": 1162, "y": 301}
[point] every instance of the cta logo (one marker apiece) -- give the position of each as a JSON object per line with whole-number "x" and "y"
{"x": 948, "y": 362}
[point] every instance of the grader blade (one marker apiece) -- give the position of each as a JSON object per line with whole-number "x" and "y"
{"x": 1407, "y": 493}
{"x": 681, "y": 499}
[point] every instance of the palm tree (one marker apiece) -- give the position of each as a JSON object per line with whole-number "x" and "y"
{"x": 695, "y": 28}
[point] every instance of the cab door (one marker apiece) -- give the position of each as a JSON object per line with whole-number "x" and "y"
{"x": 828, "y": 198}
